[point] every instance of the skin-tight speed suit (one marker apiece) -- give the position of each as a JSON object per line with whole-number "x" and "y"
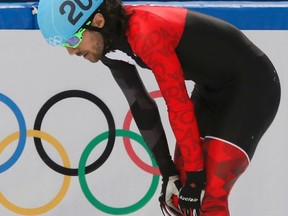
{"x": 235, "y": 98}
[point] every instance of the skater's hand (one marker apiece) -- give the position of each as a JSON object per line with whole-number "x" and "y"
{"x": 170, "y": 189}
{"x": 191, "y": 194}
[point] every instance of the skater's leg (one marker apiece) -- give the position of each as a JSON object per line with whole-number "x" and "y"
{"x": 224, "y": 163}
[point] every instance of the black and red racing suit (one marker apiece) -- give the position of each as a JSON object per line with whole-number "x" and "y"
{"x": 235, "y": 98}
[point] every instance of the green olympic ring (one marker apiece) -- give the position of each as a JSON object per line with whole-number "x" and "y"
{"x": 82, "y": 178}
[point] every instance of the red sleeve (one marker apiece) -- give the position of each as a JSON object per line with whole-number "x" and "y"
{"x": 154, "y": 40}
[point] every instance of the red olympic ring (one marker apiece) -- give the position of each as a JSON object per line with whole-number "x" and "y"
{"x": 128, "y": 146}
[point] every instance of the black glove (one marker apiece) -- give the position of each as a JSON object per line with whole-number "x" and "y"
{"x": 170, "y": 187}
{"x": 191, "y": 194}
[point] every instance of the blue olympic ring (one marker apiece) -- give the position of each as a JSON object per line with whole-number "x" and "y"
{"x": 22, "y": 129}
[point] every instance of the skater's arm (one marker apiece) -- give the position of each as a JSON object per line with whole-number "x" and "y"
{"x": 145, "y": 112}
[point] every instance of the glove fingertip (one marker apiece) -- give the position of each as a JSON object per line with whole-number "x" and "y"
{"x": 175, "y": 200}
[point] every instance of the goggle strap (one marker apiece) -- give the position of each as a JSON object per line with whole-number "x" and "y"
{"x": 92, "y": 28}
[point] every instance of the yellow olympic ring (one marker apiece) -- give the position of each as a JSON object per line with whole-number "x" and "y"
{"x": 66, "y": 182}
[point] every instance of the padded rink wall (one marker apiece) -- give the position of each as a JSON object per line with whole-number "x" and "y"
{"x": 77, "y": 110}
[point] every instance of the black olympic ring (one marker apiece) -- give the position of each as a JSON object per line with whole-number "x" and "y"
{"x": 111, "y": 128}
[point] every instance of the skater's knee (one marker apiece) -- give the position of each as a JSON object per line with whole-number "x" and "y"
{"x": 215, "y": 205}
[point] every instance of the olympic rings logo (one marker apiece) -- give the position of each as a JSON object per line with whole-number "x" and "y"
{"x": 55, "y": 41}
{"x": 82, "y": 169}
